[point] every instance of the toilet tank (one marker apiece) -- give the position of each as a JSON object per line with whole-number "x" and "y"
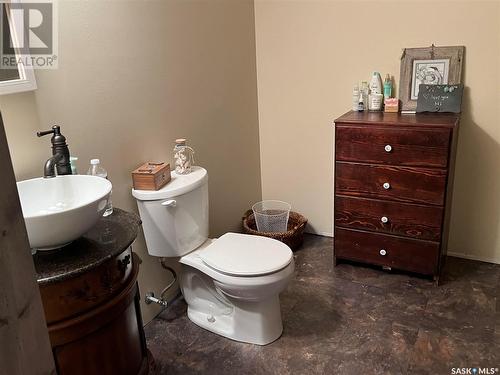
{"x": 175, "y": 218}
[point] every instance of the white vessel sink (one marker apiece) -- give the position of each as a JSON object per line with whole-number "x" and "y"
{"x": 60, "y": 209}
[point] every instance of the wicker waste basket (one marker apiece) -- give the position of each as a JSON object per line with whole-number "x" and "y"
{"x": 293, "y": 237}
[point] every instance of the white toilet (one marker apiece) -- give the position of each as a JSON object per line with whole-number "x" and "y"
{"x": 231, "y": 284}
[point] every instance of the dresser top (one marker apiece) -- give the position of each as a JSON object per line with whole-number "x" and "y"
{"x": 382, "y": 118}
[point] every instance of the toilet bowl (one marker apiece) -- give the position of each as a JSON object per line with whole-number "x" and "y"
{"x": 231, "y": 284}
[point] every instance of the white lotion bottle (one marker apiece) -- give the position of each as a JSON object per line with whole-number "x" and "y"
{"x": 376, "y": 83}
{"x": 376, "y": 97}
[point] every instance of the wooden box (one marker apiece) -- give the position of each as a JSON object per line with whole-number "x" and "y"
{"x": 151, "y": 176}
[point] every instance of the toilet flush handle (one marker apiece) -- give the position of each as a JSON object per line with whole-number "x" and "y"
{"x": 169, "y": 203}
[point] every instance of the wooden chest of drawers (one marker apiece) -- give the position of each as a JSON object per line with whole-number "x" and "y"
{"x": 393, "y": 177}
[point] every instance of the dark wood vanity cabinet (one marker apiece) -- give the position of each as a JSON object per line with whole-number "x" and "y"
{"x": 393, "y": 177}
{"x": 91, "y": 301}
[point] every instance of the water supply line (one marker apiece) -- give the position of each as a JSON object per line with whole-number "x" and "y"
{"x": 150, "y": 296}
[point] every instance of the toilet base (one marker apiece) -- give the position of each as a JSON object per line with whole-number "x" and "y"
{"x": 254, "y": 322}
{"x": 245, "y": 309}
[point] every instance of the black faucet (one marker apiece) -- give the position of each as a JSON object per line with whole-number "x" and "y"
{"x": 60, "y": 160}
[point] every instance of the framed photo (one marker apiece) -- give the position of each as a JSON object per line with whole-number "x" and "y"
{"x": 430, "y": 66}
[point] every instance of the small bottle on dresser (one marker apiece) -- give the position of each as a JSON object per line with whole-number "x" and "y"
{"x": 355, "y": 98}
{"x": 365, "y": 90}
{"x": 361, "y": 102}
{"x": 376, "y": 98}
{"x": 376, "y": 83}
{"x": 387, "y": 86}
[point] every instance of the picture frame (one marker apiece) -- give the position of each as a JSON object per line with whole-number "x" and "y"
{"x": 428, "y": 65}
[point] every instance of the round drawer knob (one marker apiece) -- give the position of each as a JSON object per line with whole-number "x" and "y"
{"x": 384, "y": 219}
{"x": 386, "y": 185}
{"x": 382, "y": 252}
{"x": 388, "y": 148}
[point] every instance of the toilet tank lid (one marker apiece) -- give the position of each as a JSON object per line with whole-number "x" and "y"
{"x": 178, "y": 185}
{"x": 246, "y": 255}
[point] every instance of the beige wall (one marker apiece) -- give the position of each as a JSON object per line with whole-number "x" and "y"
{"x": 132, "y": 77}
{"x": 309, "y": 55}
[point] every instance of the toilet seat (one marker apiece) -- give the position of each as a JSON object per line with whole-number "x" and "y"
{"x": 246, "y": 255}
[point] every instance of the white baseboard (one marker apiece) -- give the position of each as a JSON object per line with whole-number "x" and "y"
{"x": 319, "y": 233}
{"x": 494, "y": 259}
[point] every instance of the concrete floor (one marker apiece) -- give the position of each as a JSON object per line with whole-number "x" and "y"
{"x": 351, "y": 319}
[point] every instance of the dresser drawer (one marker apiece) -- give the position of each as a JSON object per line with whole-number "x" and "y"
{"x": 396, "y": 146}
{"x": 400, "y": 253}
{"x": 402, "y": 184}
{"x": 421, "y": 222}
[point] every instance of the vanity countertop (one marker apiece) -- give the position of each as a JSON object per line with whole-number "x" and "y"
{"x": 109, "y": 237}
